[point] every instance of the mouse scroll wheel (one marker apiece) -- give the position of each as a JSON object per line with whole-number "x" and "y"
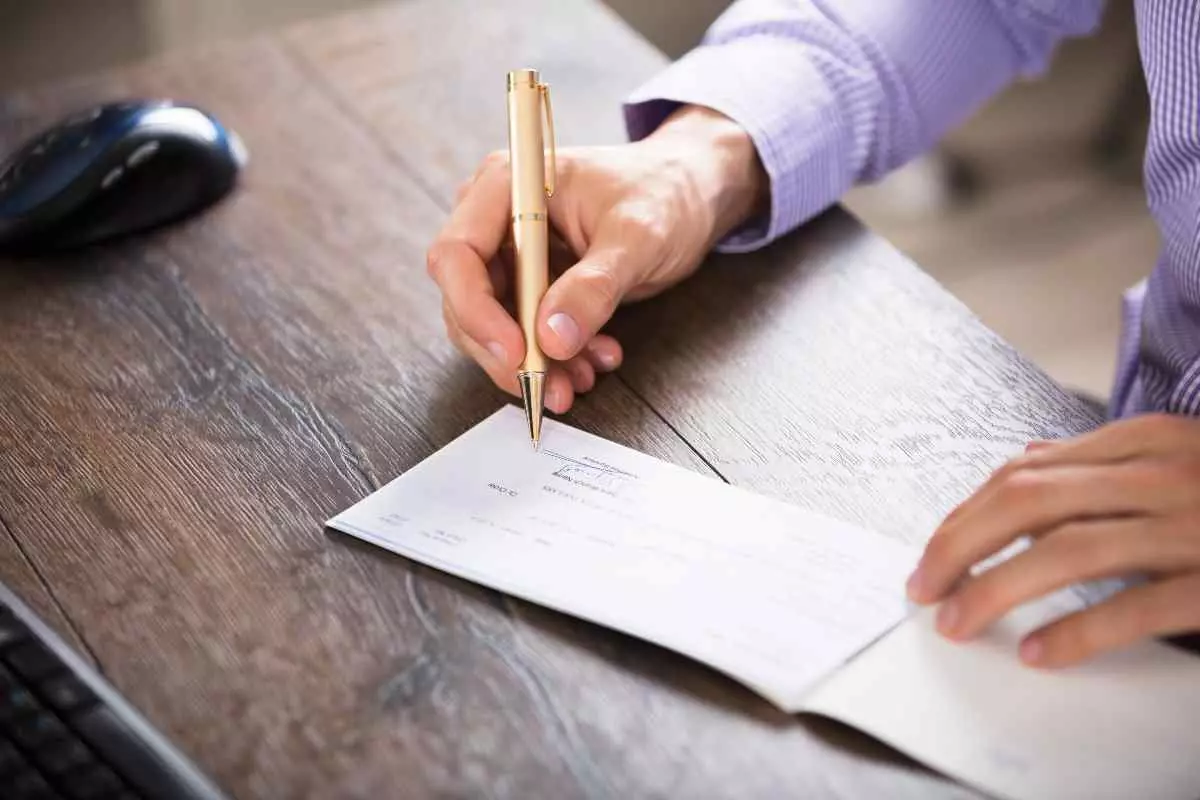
{"x": 142, "y": 154}
{"x": 112, "y": 177}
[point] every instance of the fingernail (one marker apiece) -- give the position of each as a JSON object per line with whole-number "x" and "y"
{"x": 565, "y": 329}
{"x": 554, "y": 398}
{"x": 498, "y": 352}
{"x": 1031, "y": 650}
{"x": 607, "y": 360}
{"x": 947, "y": 617}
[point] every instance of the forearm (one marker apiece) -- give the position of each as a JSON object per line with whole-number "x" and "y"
{"x": 833, "y": 93}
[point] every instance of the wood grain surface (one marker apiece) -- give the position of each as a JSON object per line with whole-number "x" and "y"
{"x": 827, "y": 370}
{"x": 17, "y": 573}
{"x": 180, "y": 413}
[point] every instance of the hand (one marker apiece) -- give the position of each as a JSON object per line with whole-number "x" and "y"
{"x": 641, "y": 217}
{"x": 1120, "y": 501}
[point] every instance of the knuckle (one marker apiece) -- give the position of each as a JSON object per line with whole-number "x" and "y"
{"x": 435, "y": 256}
{"x": 1187, "y": 471}
{"x": 600, "y": 284}
{"x": 1073, "y": 638}
{"x": 452, "y": 332}
{"x": 1185, "y": 530}
{"x": 1022, "y": 486}
{"x": 940, "y": 551}
{"x": 1008, "y": 469}
{"x": 1160, "y": 421}
{"x": 1160, "y": 428}
{"x": 461, "y": 192}
{"x": 645, "y": 228}
{"x": 984, "y": 595}
{"x": 1125, "y": 622}
{"x": 1078, "y": 543}
{"x": 495, "y": 160}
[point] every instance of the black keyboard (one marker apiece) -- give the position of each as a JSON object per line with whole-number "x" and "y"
{"x": 65, "y": 734}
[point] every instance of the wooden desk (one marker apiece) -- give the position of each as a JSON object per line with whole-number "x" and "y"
{"x": 179, "y": 415}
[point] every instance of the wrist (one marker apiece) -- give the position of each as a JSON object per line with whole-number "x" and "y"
{"x": 719, "y": 163}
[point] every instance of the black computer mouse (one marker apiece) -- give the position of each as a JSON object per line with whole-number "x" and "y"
{"x": 114, "y": 170}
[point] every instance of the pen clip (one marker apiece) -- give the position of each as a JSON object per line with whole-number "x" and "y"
{"x": 544, "y": 90}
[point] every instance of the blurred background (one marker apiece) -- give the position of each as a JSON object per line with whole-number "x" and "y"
{"x": 1032, "y": 213}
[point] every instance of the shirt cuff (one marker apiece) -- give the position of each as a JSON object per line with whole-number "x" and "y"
{"x": 1128, "y": 399}
{"x": 772, "y": 90}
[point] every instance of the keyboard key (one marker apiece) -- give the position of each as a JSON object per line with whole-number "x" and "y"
{"x": 29, "y": 785}
{"x": 91, "y": 783}
{"x": 34, "y": 732}
{"x": 10, "y": 759}
{"x": 15, "y": 703}
{"x": 116, "y": 743}
{"x": 33, "y": 661}
{"x": 12, "y": 631}
{"x": 7, "y": 679}
{"x": 63, "y": 756}
{"x": 66, "y": 693}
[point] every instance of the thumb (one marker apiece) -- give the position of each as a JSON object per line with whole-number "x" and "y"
{"x": 584, "y": 298}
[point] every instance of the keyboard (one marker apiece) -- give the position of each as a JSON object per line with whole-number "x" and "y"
{"x": 65, "y": 734}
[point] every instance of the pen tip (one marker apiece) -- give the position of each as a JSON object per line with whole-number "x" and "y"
{"x": 533, "y": 391}
{"x": 536, "y": 445}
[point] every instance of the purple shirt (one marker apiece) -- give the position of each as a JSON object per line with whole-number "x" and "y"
{"x": 836, "y": 92}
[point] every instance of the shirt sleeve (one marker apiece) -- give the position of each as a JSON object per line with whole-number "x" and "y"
{"x": 1159, "y": 367}
{"x": 836, "y": 92}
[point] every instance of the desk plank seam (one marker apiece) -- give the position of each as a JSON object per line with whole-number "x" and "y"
{"x": 74, "y": 629}
{"x": 350, "y": 112}
{"x": 671, "y": 427}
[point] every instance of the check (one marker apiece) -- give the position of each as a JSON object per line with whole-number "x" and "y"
{"x": 769, "y": 594}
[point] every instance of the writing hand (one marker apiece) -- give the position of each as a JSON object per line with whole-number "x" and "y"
{"x": 1122, "y": 500}
{"x": 640, "y": 217}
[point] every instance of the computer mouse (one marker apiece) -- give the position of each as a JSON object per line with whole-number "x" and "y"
{"x": 114, "y": 170}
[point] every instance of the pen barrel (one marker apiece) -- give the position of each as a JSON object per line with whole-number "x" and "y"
{"x": 531, "y": 226}
{"x": 526, "y": 146}
{"x": 531, "y": 239}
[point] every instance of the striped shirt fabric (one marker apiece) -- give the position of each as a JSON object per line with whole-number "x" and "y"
{"x": 838, "y": 92}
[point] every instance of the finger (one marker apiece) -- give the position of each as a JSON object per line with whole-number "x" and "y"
{"x": 468, "y": 291}
{"x": 481, "y": 220}
{"x": 1076, "y": 552}
{"x": 457, "y": 262}
{"x": 498, "y": 271}
{"x": 584, "y": 298}
{"x": 1031, "y": 501}
{"x": 604, "y": 353}
{"x": 559, "y": 392}
{"x": 501, "y": 374}
{"x": 984, "y": 493}
{"x": 581, "y": 373}
{"x": 1150, "y": 434}
{"x": 1164, "y": 608}
{"x": 463, "y": 188}
{"x": 1113, "y": 443}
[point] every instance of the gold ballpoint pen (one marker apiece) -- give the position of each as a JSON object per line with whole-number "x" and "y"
{"x": 532, "y": 184}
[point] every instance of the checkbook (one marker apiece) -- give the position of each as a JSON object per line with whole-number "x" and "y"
{"x": 806, "y": 610}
